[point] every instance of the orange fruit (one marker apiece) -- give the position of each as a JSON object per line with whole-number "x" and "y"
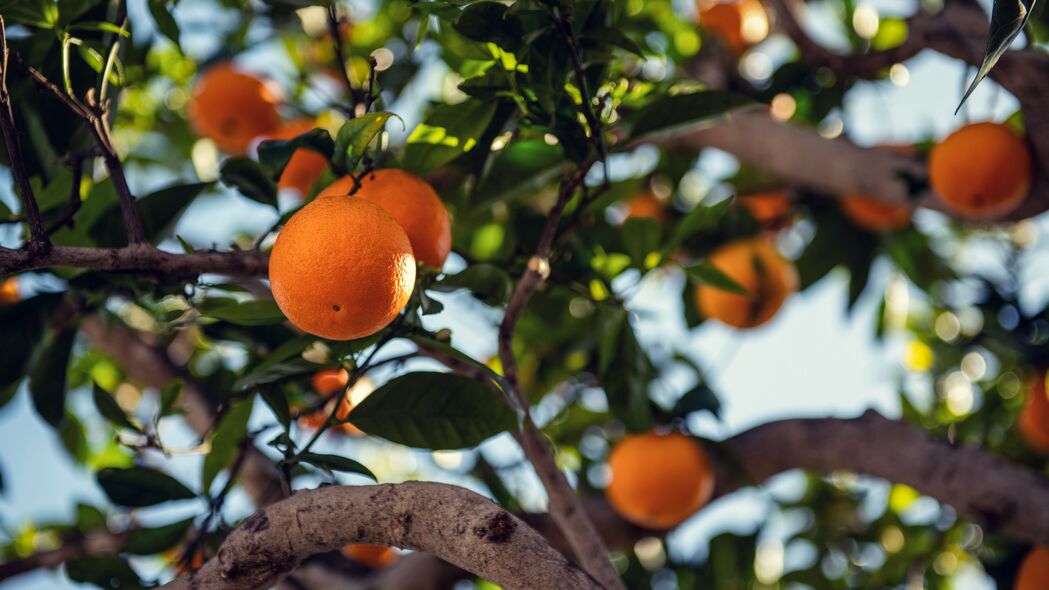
{"x": 659, "y": 480}
{"x": 341, "y": 268}
{"x": 328, "y": 382}
{"x": 771, "y": 210}
{"x": 757, "y": 267}
{"x": 738, "y": 23}
{"x": 9, "y": 291}
{"x": 305, "y": 166}
{"x": 1034, "y": 570}
{"x": 232, "y": 108}
{"x": 646, "y": 206}
{"x": 413, "y": 203}
{"x": 873, "y": 215}
{"x": 1034, "y": 417}
{"x": 373, "y": 556}
{"x": 981, "y": 171}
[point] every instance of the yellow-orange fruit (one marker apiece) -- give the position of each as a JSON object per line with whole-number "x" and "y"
{"x": 1034, "y": 417}
{"x": 328, "y": 382}
{"x": 341, "y": 268}
{"x": 305, "y": 166}
{"x": 646, "y": 206}
{"x": 1034, "y": 570}
{"x": 981, "y": 171}
{"x": 873, "y": 215}
{"x": 658, "y": 480}
{"x": 9, "y": 291}
{"x": 756, "y": 266}
{"x": 374, "y": 556}
{"x": 738, "y": 23}
{"x": 232, "y": 108}
{"x": 771, "y": 209}
{"x": 413, "y": 203}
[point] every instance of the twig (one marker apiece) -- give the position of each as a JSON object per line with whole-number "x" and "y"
{"x": 39, "y": 242}
{"x": 597, "y": 133}
{"x": 146, "y": 261}
{"x": 215, "y": 506}
{"x": 340, "y": 57}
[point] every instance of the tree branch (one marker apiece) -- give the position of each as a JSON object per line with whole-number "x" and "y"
{"x": 453, "y": 523}
{"x": 139, "y": 259}
{"x": 93, "y": 543}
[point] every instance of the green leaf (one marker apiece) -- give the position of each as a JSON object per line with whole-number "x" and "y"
{"x": 488, "y": 22}
{"x": 447, "y": 133}
{"x": 278, "y": 403}
{"x": 274, "y": 154}
{"x": 487, "y": 282}
{"x": 248, "y": 177}
{"x": 519, "y": 170}
{"x": 641, "y": 237}
{"x": 136, "y": 487}
{"x": 700, "y": 398}
{"x": 276, "y": 372}
{"x": 353, "y": 138}
{"x": 1008, "y": 18}
{"x": 36, "y": 13}
{"x": 625, "y": 370}
{"x": 110, "y": 410}
{"x": 23, "y": 328}
{"x": 230, "y": 434}
{"x": 337, "y": 463}
{"x": 103, "y": 571}
{"x": 166, "y": 24}
{"x": 434, "y": 411}
{"x": 700, "y": 219}
{"x": 150, "y": 541}
{"x": 246, "y": 313}
{"x": 668, "y": 114}
{"x": 549, "y": 62}
{"x": 159, "y": 211}
{"x": 47, "y": 375}
{"x": 169, "y": 396}
{"x": 615, "y": 38}
{"x": 708, "y": 274}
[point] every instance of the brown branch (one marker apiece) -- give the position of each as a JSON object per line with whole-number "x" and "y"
{"x": 334, "y": 25}
{"x": 453, "y": 523}
{"x": 563, "y": 504}
{"x": 139, "y": 259}
{"x": 39, "y": 242}
{"x": 93, "y": 543}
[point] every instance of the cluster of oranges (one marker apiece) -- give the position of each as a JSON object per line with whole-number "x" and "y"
{"x": 235, "y": 109}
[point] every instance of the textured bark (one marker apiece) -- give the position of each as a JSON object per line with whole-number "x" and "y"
{"x": 452, "y": 523}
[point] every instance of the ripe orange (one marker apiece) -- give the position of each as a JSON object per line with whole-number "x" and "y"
{"x": 373, "y": 556}
{"x": 767, "y": 277}
{"x": 232, "y": 108}
{"x": 1034, "y": 418}
{"x": 341, "y": 268}
{"x": 771, "y": 210}
{"x": 873, "y": 215}
{"x": 738, "y": 23}
{"x": 328, "y": 382}
{"x": 646, "y": 206}
{"x": 658, "y": 480}
{"x": 1034, "y": 570}
{"x": 305, "y": 166}
{"x": 981, "y": 171}
{"x": 413, "y": 203}
{"x": 9, "y": 291}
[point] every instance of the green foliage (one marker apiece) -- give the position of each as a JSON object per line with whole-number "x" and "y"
{"x": 141, "y": 486}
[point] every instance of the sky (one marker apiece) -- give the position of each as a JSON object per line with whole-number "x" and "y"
{"x": 812, "y": 360}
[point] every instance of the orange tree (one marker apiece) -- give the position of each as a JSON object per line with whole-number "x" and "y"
{"x": 507, "y": 187}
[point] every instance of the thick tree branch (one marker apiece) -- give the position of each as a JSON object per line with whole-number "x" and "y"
{"x": 139, "y": 259}
{"x": 453, "y": 523}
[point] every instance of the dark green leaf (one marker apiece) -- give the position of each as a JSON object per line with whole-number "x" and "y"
{"x": 150, "y": 541}
{"x": 641, "y": 237}
{"x": 337, "y": 463}
{"x": 276, "y": 372}
{"x": 708, "y": 274}
{"x": 447, "y": 133}
{"x": 434, "y": 411}
{"x": 700, "y": 219}
{"x": 669, "y": 114}
{"x": 103, "y": 571}
{"x": 23, "y": 328}
{"x": 110, "y": 410}
{"x": 625, "y": 371}
{"x": 488, "y": 22}
{"x": 487, "y": 282}
{"x": 700, "y": 398}
{"x": 519, "y": 170}
{"x": 141, "y": 486}
{"x": 615, "y": 38}
{"x": 47, "y": 375}
{"x": 246, "y": 313}
{"x": 248, "y": 177}
{"x": 230, "y": 434}
{"x": 169, "y": 396}
{"x": 277, "y": 402}
{"x": 274, "y": 154}
{"x": 354, "y": 136}
{"x": 159, "y": 211}
{"x": 161, "y": 13}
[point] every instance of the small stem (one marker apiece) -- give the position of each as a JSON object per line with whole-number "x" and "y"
{"x": 39, "y": 242}
{"x": 340, "y": 57}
